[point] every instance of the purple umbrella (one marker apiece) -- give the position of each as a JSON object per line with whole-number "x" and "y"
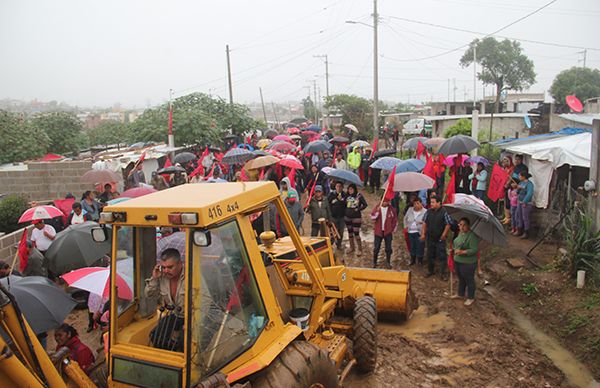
{"x": 478, "y": 159}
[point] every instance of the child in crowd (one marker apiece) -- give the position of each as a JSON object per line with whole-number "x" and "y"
{"x": 513, "y": 198}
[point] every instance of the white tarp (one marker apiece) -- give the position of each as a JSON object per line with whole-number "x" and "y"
{"x": 541, "y": 175}
{"x": 574, "y": 150}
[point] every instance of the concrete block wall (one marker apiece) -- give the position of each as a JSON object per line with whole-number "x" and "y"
{"x": 46, "y": 181}
{"x": 8, "y": 243}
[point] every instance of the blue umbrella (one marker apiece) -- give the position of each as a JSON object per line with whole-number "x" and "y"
{"x": 345, "y": 176}
{"x": 410, "y": 165}
{"x": 478, "y": 159}
{"x": 386, "y": 163}
{"x": 317, "y": 146}
{"x": 246, "y": 146}
{"x": 314, "y": 127}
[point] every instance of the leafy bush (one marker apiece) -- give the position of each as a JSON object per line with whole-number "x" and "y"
{"x": 11, "y": 208}
{"x": 583, "y": 245}
{"x": 529, "y": 289}
{"x": 462, "y": 127}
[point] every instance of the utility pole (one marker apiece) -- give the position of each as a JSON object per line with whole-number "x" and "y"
{"x": 229, "y": 75}
{"x": 262, "y": 102}
{"x": 584, "y": 52}
{"x": 474, "y": 76}
{"x": 448, "y": 90}
{"x": 375, "y": 77}
{"x": 171, "y": 137}
{"x": 275, "y": 114}
{"x": 326, "y": 72}
{"x": 453, "y": 89}
{"x": 315, "y": 103}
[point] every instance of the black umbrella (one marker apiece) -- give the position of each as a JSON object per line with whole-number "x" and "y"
{"x": 317, "y": 146}
{"x": 74, "y": 248}
{"x": 271, "y": 133}
{"x": 380, "y": 153}
{"x": 339, "y": 139}
{"x": 44, "y": 305}
{"x": 214, "y": 149}
{"x": 459, "y": 144}
{"x": 171, "y": 170}
{"x": 230, "y": 137}
{"x": 184, "y": 158}
{"x": 299, "y": 120}
{"x": 237, "y": 155}
{"x": 413, "y": 143}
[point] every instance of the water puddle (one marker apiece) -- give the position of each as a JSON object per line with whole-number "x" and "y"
{"x": 420, "y": 323}
{"x": 576, "y": 372}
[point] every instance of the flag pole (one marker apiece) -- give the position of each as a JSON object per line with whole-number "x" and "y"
{"x": 12, "y": 267}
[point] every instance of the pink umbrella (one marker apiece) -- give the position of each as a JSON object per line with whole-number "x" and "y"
{"x": 97, "y": 281}
{"x": 43, "y": 212}
{"x": 410, "y": 181}
{"x": 293, "y": 131}
{"x": 449, "y": 161}
{"x": 283, "y": 138}
{"x": 291, "y": 162}
{"x": 282, "y": 146}
{"x": 137, "y": 192}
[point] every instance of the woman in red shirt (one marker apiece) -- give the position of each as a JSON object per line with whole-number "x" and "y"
{"x": 66, "y": 336}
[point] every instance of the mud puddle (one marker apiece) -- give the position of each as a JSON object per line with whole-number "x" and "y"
{"x": 419, "y": 323}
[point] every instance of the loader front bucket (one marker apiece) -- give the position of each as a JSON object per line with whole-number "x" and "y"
{"x": 391, "y": 289}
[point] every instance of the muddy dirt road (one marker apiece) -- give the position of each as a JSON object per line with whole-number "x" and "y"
{"x": 448, "y": 344}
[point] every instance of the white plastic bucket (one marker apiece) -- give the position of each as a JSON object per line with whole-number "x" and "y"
{"x": 580, "y": 279}
{"x": 300, "y": 318}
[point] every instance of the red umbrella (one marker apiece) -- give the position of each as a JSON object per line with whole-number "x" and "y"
{"x": 282, "y": 146}
{"x": 137, "y": 192}
{"x": 293, "y": 130}
{"x": 283, "y": 138}
{"x": 51, "y": 157}
{"x": 43, "y": 212}
{"x": 291, "y": 162}
{"x": 97, "y": 281}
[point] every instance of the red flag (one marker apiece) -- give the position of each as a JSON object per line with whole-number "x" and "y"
{"x": 497, "y": 181}
{"x": 170, "y": 119}
{"x": 312, "y": 191}
{"x": 292, "y": 177}
{"x": 198, "y": 171}
{"x": 451, "y": 189}
{"x": 23, "y": 256}
{"x": 420, "y": 149}
{"x": 262, "y": 175}
{"x": 142, "y": 157}
{"x": 212, "y": 170}
{"x": 428, "y": 169}
{"x": 168, "y": 163}
{"x": 375, "y": 143}
{"x": 389, "y": 190}
{"x": 205, "y": 153}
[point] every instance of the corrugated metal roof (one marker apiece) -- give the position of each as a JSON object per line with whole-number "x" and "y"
{"x": 582, "y": 118}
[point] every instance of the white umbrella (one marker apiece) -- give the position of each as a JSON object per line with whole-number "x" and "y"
{"x": 351, "y": 127}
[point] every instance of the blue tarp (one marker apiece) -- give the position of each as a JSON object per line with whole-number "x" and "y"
{"x": 563, "y": 132}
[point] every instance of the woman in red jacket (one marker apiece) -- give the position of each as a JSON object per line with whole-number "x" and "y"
{"x": 66, "y": 336}
{"x": 385, "y": 221}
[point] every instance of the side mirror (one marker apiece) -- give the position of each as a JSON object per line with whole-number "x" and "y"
{"x": 202, "y": 238}
{"x": 99, "y": 234}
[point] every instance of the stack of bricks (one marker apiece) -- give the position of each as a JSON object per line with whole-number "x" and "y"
{"x": 46, "y": 181}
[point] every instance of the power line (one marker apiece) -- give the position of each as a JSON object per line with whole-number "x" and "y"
{"x": 493, "y": 33}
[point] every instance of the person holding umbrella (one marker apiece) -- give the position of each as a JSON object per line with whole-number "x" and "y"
{"x": 319, "y": 209}
{"x": 478, "y": 180}
{"x": 354, "y": 159}
{"x": 42, "y": 235}
{"x": 337, "y": 203}
{"x": 465, "y": 261}
{"x": 355, "y": 204}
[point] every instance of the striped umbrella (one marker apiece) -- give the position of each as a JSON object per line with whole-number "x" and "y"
{"x": 237, "y": 155}
{"x": 43, "y": 212}
{"x": 97, "y": 281}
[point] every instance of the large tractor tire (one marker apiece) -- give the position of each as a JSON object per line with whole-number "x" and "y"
{"x": 364, "y": 337}
{"x": 300, "y": 365}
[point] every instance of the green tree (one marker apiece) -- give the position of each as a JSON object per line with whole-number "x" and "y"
{"x": 582, "y": 82}
{"x": 309, "y": 109}
{"x": 355, "y": 110}
{"x": 11, "y": 208}
{"x": 197, "y": 118}
{"x": 107, "y": 133}
{"x": 462, "y": 127}
{"x": 19, "y": 140}
{"x": 502, "y": 63}
{"x": 63, "y": 130}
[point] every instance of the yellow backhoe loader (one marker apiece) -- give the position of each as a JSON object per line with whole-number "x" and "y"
{"x": 247, "y": 309}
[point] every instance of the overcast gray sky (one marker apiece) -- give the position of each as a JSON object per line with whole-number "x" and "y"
{"x": 132, "y": 52}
